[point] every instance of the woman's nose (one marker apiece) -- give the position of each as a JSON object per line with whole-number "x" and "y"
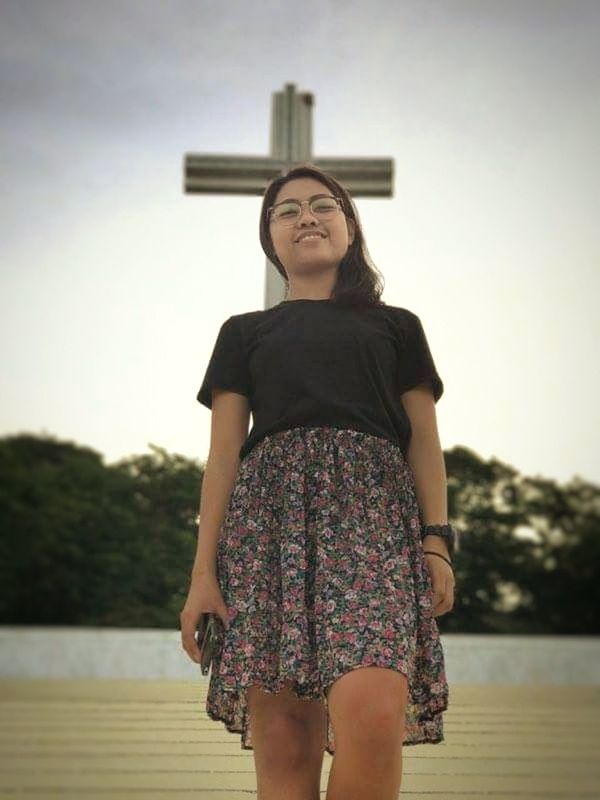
{"x": 305, "y": 211}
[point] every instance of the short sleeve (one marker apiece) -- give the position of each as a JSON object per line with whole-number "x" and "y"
{"x": 227, "y": 367}
{"x": 416, "y": 362}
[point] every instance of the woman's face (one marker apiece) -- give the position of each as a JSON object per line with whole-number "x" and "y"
{"x": 315, "y": 256}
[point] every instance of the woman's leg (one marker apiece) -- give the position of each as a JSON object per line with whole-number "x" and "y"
{"x": 288, "y": 737}
{"x": 367, "y": 707}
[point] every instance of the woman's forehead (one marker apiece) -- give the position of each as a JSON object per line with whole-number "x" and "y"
{"x": 301, "y": 189}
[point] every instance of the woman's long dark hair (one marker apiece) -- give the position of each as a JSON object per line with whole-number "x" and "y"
{"x": 359, "y": 282}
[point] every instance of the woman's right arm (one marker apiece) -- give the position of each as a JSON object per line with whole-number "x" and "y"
{"x": 229, "y": 428}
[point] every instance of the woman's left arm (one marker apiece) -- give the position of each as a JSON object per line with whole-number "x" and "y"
{"x": 426, "y": 460}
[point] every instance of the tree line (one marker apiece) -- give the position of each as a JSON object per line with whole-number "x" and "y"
{"x": 95, "y": 544}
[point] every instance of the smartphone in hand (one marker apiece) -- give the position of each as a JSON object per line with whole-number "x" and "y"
{"x": 205, "y": 639}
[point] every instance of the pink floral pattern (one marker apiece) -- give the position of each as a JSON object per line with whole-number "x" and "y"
{"x": 321, "y": 566}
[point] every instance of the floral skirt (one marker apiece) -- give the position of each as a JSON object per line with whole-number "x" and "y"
{"x": 321, "y": 567}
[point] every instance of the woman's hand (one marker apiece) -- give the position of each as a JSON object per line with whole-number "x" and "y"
{"x": 204, "y": 596}
{"x": 442, "y": 582}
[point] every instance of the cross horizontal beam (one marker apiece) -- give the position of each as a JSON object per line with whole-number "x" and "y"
{"x": 222, "y": 174}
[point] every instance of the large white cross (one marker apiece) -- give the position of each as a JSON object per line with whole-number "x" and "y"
{"x": 291, "y": 143}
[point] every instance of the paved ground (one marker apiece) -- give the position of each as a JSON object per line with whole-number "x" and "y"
{"x": 116, "y": 740}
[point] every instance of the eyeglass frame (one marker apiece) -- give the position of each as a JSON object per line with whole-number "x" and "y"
{"x": 339, "y": 201}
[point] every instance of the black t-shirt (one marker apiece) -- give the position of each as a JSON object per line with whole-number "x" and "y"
{"x": 313, "y": 363}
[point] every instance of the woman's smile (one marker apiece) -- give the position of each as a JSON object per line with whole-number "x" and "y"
{"x": 315, "y": 237}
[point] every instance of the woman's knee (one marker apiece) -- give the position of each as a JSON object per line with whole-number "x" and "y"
{"x": 282, "y": 741}
{"x": 285, "y": 729}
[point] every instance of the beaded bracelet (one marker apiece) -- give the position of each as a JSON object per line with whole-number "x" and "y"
{"x": 433, "y": 553}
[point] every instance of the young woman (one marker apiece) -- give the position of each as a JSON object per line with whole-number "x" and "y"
{"x": 324, "y": 550}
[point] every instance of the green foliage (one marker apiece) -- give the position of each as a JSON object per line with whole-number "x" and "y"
{"x": 529, "y": 551}
{"x": 84, "y": 543}
{"x": 87, "y": 544}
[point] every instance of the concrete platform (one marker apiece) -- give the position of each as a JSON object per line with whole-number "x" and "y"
{"x": 118, "y": 739}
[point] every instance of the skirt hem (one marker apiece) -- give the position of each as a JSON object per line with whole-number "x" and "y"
{"x": 436, "y": 736}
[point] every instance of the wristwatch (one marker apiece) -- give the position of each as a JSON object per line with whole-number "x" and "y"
{"x": 446, "y": 532}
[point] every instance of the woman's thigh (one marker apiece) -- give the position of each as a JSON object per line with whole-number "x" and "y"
{"x": 368, "y": 705}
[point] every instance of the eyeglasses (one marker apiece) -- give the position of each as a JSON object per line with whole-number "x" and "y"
{"x": 286, "y": 213}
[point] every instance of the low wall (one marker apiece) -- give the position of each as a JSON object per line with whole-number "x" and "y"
{"x": 64, "y": 652}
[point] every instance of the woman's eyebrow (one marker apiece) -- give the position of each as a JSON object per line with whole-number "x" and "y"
{"x": 288, "y": 199}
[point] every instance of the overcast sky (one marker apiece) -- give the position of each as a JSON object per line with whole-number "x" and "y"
{"x": 115, "y": 283}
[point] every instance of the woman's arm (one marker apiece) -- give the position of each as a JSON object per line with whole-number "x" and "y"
{"x": 229, "y": 428}
{"x": 426, "y": 460}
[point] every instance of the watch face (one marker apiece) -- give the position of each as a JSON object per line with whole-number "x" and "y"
{"x": 445, "y": 532}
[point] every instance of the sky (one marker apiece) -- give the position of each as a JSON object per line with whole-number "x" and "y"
{"x": 115, "y": 282}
